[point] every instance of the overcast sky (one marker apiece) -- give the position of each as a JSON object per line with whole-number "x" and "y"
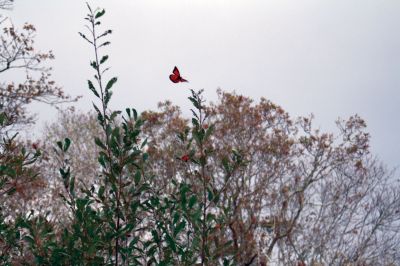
{"x": 332, "y": 58}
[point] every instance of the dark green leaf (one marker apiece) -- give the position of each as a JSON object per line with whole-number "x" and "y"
{"x": 137, "y": 177}
{"x": 192, "y": 201}
{"x": 135, "y": 115}
{"x": 110, "y": 83}
{"x": 101, "y": 160}
{"x": 93, "y": 89}
{"x": 195, "y": 122}
{"x": 107, "y": 97}
{"x": 156, "y": 238}
{"x": 99, "y": 143}
{"x": 94, "y": 65}
{"x": 100, "y": 13}
{"x": 210, "y": 217}
{"x": 209, "y": 131}
{"x": 104, "y": 44}
{"x": 67, "y": 143}
{"x": 225, "y": 163}
{"x": 72, "y": 186}
{"x": 103, "y": 59}
{"x": 128, "y": 111}
{"x": 210, "y": 194}
{"x": 101, "y": 191}
{"x": 171, "y": 242}
{"x": 3, "y": 118}
{"x": 84, "y": 37}
{"x": 176, "y": 218}
{"x": 194, "y": 102}
{"x": 179, "y": 228}
{"x": 114, "y": 114}
{"x": 59, "y": 144}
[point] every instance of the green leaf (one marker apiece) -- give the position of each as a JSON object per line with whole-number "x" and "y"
{"x": 226, "y": 262}
{"x": 104, "y": 44}
{"x": 194, "y": 102}
{"x": 94, "y": 65}
{"x": 59, "y": 144}
{"x": 100, "y": 13}
{"x": 181, "y": 136}
{"x": 216, "y": 197}
{"x": 171, "y": 242}
{"x": 179, "y": 228}
{"x": 210, "y": 194}
{"x": 3, "y": 118}
{"x": 195, "y": 122}
{"x": 194, "y": 114}
{"x": 99, "y": 143}
{"x": 176, "y": 218}
{"x": 100, "y": 116}
{"x": 209, "y": 131}
{"x": 102, "y": 159}
{"x": 114, "y": 114}
{"x": 101, "y": 192}
{"x": 29, "y": 239}
{"x": 128, "y": 111}
{"x": 150, "y": 253}
{"x": 103, "y": 59}
{"x": 93, "y": 89}
{"x": 135, "y": 115}
{"x": 67, "y": 143}
{"x": 110, "y": 83}
{"x": 210, "y": 217}
{"x": 192, "y": 201}
{"x": 137, "y": 177}
{"x": 143, "y": 144}
{"x": 225, "y": 163}
{"x": 72, "y": 186}
{"x": 107, "y": 97}
{"x": 84, "y": 37}
{"x": 156, "y": 238}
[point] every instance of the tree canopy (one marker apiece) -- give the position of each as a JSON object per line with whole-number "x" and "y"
{"x": 240, "y": 182}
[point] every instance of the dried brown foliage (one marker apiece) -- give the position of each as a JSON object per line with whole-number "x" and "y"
{"x": 298, "y": 195}
{"x": 17, "y": 53}
{"x": 20, "y": 61}
{"x": 303, "y": 196}
{"x": 19, "y": 183}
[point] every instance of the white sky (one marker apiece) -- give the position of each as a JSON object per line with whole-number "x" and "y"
{"x": 332, "y": 58}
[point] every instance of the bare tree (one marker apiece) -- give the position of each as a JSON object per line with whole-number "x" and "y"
{"x": 18, "y": 54}
{"x": 80, "y": 128}
{"x": 6, "y": 4}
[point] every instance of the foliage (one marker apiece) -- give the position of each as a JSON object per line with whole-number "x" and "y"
{"x": 298, "y": 188}
{"x": 240, "y": 183}
{"x": 17, "y": 53}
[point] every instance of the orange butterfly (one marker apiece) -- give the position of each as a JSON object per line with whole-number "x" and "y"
{"x": 176, "y": 76}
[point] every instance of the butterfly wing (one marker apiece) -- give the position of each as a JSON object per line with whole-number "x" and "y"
{"x": 174, "y": 78}
{"x": 176, "y": 72}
